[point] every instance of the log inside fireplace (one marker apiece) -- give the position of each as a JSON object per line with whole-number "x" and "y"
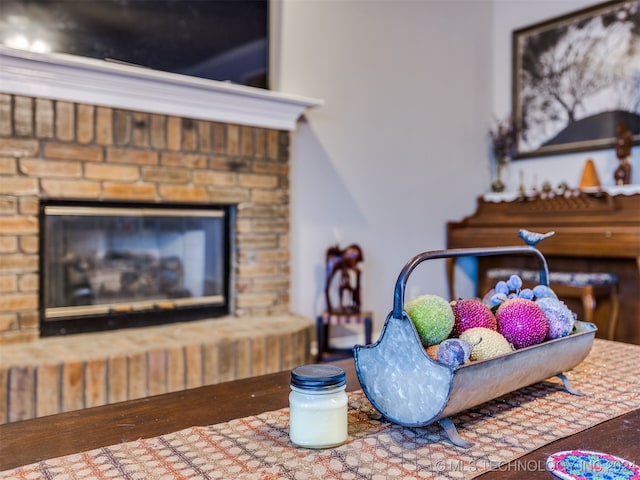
{"x": 107, "y": 265}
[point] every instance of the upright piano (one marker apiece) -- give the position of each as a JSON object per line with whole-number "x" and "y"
{"x": 595, "y": 231}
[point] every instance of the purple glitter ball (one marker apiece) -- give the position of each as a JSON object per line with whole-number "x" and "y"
{"x": 559, "y": 316}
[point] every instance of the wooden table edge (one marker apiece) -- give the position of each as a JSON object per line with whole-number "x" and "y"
{"x": 29, "y": 441}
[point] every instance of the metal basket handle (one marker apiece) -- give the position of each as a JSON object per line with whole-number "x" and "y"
{"x": 401, "y": 283}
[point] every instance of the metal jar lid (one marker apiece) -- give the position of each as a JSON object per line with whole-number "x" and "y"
{"x": 318, "y": 377}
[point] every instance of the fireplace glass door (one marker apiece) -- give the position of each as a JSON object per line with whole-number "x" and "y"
{"x": 130, "y": 265}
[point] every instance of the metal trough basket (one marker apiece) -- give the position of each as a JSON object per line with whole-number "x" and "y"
{"x": 409, "y": 388}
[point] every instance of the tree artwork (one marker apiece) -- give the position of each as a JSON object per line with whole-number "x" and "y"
{"x": 577, "y": 78}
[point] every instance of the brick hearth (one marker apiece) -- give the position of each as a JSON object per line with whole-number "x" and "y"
{"x": 59, "y": 374}
{"x": 59, "y": 149}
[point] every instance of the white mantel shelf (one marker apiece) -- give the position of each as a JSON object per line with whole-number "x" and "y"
{"x": 97, "y": 82}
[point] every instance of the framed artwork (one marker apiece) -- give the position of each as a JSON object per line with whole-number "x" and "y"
{"x": 576, "y": 78}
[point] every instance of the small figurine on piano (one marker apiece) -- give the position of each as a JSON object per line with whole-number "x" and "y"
{"x": 622, "y": 175}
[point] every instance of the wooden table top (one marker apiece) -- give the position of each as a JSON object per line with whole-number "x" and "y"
{"x": 33, "y": 440}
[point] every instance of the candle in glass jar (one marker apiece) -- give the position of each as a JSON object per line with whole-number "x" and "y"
{"x": 318, "y": 406}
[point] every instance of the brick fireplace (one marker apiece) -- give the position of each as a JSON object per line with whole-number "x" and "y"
{"x": 53, "y": 149}
{"x": 59, "y": 149}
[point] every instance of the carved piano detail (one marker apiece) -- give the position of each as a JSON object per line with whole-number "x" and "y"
{"x": 594, "y": 232}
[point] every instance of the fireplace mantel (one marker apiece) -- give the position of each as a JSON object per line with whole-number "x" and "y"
{"x": 98, "y": 82}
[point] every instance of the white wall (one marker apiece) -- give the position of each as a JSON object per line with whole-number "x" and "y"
{"x": 396, "y": 151}
{"x": 400, "y": 147}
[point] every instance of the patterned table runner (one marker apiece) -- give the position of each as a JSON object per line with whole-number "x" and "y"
{"x": 258, "y": 447}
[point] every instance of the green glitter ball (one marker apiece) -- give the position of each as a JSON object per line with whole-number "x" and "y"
{"x": 432, "y": 316}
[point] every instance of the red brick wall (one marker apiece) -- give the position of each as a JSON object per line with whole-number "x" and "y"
{"x": 58, "y": 149}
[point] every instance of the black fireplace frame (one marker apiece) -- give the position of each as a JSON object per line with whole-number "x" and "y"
{"x": 133, "y": 319}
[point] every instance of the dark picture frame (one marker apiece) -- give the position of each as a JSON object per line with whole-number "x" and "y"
{"x": 575, "y": 78}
